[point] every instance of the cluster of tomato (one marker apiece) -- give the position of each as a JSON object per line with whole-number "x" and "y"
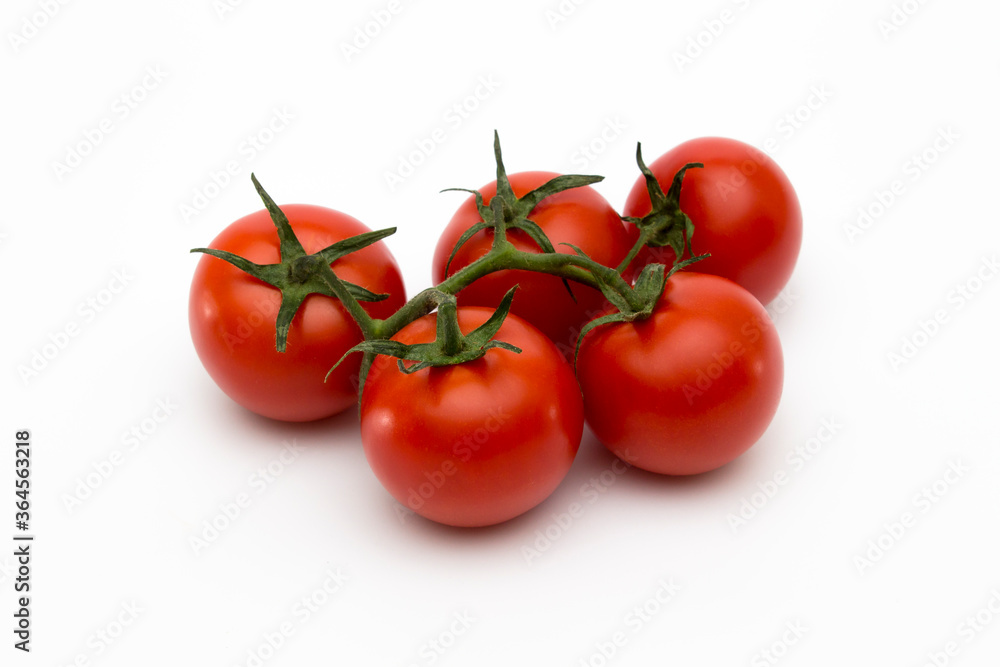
{"x": 681, "y": 389}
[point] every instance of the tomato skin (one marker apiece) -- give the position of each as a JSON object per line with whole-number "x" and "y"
{"x": 232, "y": 315}
{"x": 477, "y": 443}
{"x": 690, "y": 388}
{"x": 580, "y": 216}
{"x": 744, "y": 209}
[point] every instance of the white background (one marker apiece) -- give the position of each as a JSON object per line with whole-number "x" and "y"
{"x": 805, "y": 559}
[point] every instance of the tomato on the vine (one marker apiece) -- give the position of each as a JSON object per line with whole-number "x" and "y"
{"x": 690, "y": 388}
{"x": 579, "y": 216}
{"x": 232, "y": 317}
{"x": 476, "y": 443}
{"x": 744, "y": 209}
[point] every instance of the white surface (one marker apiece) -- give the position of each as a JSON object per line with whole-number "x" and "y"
{"x": 850, "y": 305}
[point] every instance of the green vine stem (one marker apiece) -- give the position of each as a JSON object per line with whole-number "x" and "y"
{"x": 577, "y": 268}
{"x": 299, "y": 274}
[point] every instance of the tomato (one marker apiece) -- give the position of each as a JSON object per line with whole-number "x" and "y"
{"x": 232, "y": 317}
{"x": 743, "y": 207}
{"x": 690, "y": 388}
{"x": 477, "y": 443}
{"x": 580, "y": 216}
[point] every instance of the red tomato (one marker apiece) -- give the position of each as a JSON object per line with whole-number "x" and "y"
{"x": 690, "y": 388}
{"x": 476, "y": 443}
{"x": 743, "y": 207}
{"x": 580, "y": 216}
{"x": 232, "y": 317}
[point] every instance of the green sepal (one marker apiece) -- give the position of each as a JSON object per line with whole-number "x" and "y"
{"x": 269, "y": 273}
{"x": 504, "y": 188}
{"x": 535, "y": 232}
{"x": 650, "y": 283}
{"x": 290, "y": 247}
{"x": 678, "y": 266}
{"x": 491, "y": 327}
{"x": 469, "y": 233}
{"x": 555, "y": 186}
{"x": 290, "y": 303}
{"x": 593, "y": 324}
{"x": 484, "y": 211}
{"x": 332, "y": 253}
{"x": 385, "y": 346}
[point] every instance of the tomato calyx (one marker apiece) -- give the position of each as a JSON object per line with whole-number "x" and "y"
{"x": 665, "y": 224}
{"x": 451, "y": 346}
{"x": 648, "y": 289}
{"x": 299, "y": 274}
{"x": 507, "y": 211}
